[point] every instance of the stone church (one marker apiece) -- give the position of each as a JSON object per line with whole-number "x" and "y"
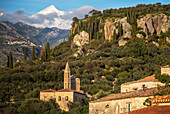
{"x": 71, "y": 91}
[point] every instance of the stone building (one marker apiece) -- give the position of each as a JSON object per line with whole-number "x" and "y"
{"x": 148, "y": 82}
{"x": 132, "y": 96}
{"x": 165, "y": 70}
{"x": 161, "y": 105}
{"x": 71, "y": 91}
{"x": 121, "y": 102}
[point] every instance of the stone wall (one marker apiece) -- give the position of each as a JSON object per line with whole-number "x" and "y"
{"x": 78, "y": 84}
{"x": 117, "y": 106}
{"x": 63, "y": 102}
{"x": 138, "y": 86}
{"x": 62, "y": 98}
{"x": 46, "y": 96}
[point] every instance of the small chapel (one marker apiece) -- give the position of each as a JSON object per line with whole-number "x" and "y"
{"x": 71, "y": 91}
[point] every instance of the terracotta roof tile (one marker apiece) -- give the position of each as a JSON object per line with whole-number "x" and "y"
{"x": 154, "y": 109}
{"x": 162, "y": 99}
{"x": 49, "y": 90}
{"x": 149, "y": 78}
{"x": 70, "y": 90}
{"x": 139, "y": 93}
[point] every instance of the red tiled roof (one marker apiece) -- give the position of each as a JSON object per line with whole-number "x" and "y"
{"x": 49, "y": 90}
{"x": 154, "y": 109}
{"x": 70, "y": 90}
{"x": 139, "y": 93}
{"x": 162, "y": 99}
{"x": 149, "y": 78}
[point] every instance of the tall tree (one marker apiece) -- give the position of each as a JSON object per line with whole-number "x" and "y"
{"x": 114, "y": 36}
{"x": 10, "y": 60}
{"x": 120, "y": 29}
{"x": 48, "y": 51}
{"x": 33, "y": 53}
{"x": 25, "y": 54}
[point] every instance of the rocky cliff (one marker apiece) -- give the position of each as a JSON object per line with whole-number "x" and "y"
{"x": 110, "y": 27}
{"x": 154, "y": 24}
{"x": 99, "y": 28}
{"x": 81, "y": 39}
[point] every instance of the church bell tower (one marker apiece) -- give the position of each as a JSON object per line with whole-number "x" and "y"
{"x": 67, "y": 78}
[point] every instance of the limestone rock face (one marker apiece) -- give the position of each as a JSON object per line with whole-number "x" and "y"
{"x": 122, "y": 42}
{"x": 126, "y": 28}
{"x": 81, "y": 39}
{"x": 168, "y": 39}
{"x": 154, "y": 24}
{"x": 139, "y": 35}
{"x": 110, "y": 27}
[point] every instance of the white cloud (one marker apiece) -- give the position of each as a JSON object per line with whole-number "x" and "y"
{"x": 53, "y": 19}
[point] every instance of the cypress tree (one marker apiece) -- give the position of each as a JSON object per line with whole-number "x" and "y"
{"x": 10, "y": 60}
{"x": 102, "y": 25}
{"x": 120, "y": 29}
{"x": 33, "y": 53}
{"x": 25, "y": 54}
{"x": 95, "y": 26}
{"x": 48, "y": 51}
{"x": 114, "y": 36}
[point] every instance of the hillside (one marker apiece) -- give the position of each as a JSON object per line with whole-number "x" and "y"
{"x": 95, "y": 56}
{"x": 14, "y": 37}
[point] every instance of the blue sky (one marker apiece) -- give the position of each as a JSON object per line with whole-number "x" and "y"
{"x": 34, "y": 6}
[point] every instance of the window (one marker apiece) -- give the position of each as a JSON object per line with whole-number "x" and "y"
{"x": 135, "y": 88}
{"x": 107, "y": 106}
{"x": 66, "y": 98}
{"x": 59, "y": 98}
{"x": 129, "y": 107}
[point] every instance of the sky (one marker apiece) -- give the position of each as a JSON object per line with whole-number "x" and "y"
{"x": 34, "y": 6}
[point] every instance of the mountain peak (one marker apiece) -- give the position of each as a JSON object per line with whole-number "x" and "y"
{"x": 53, "y": 8}
{"x": 50, "y": 9}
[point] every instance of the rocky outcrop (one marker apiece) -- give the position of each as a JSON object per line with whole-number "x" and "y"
{"x": 110, "y": 27}
{"x": 81, "y": 39}
{"x": 168, "y": 39}
{"x": 126, "y": 28}
{"x": 154, "y": 24}
{"x": 156, "y": 44}
{"x": 139, "y": 35}
{"x": 79, "y": 52}
{"x": 122, "y": 42}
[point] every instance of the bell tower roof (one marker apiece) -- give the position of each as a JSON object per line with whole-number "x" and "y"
{"x": 67, "y": 68}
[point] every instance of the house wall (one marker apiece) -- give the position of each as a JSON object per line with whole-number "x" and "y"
{"x": 46, "y": 96}
{"x": 72, "y": 96}
{"x": 138, "y": 86}
{"x": 117, "y": 106}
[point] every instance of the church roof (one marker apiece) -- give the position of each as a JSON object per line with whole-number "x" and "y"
{"x": 67, "y": 67}
{"x": 139, "y": 93}
{"x": 70, "y": 90}
{"x": 149, "y": 78}
{"x": 49, "y": 90}
{"x": 154, "y": 109}
{"x": 73, "y": 77}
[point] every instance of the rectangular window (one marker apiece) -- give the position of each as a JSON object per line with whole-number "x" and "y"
{"x": 129, "y": 107}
